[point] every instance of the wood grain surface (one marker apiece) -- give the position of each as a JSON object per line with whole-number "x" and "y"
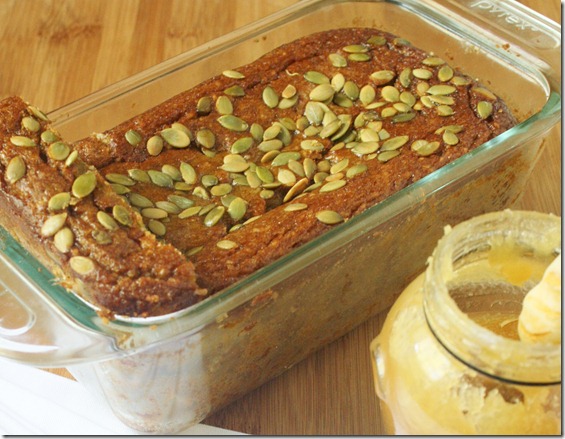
{"x": 57, "y": 51}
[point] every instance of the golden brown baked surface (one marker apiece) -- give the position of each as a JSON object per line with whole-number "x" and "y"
{"x": 238, "y": 171}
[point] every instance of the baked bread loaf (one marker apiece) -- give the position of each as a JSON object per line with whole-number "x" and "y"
{"x": 188, "y": 197}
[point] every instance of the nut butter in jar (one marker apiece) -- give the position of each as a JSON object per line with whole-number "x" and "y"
{"x": 450, "y": 359}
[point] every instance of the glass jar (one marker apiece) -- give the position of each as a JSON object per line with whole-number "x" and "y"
{"x": 448, "y": 359}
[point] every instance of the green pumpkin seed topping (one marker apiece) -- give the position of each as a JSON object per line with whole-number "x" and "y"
{"x": 233, "y": 123}
{"x": 204, "y": 105}
{"x": 107, "y": 221}
{"x": 157, "y": 227}
{"x": 234, "y": 74}
{"x": 82, "y": 265}
{"x": 154, "y": 145}
{"x": 53, "y": 224}
{"x": 16, "y": 169}
{"x": 84, "y": 185}
{"x": 22, "y": 141}
{"x": 49, "y": 136}
{"x": 329, "y": 217}
{"x": 484, "y": 109}
{"x": 175, "y": 137}
{"x": 64, "y": 240}
{"x": 31, "y": 124}
{"x": 133, "y": 137}
{"x": 226, "y": 244}
{"x": 122, "y": 215}
{"x": 59, "y": 201}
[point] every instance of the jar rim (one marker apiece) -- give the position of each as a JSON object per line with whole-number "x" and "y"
{"x": 476, "y": 346}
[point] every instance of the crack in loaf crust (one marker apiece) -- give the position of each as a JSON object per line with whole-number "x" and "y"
{"x": 250, "y": 164}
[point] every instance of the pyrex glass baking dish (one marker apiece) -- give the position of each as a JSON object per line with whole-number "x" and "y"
{"x": 208, "y": 355}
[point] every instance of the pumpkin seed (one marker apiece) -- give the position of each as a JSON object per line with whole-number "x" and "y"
{"x": 450, "y": 138}
{"x": 84, "y": 185}
{"x": 322, "y": 92}
{"x": 232, "y": 123}
{"x": 441, "y": 89}
{"x": 316, "y": 77}
{"x": 139, "y": 175}
{"x": 237, "y": 209}
{"x": 209, "y": 180}
{"x": 214, "y": 216}
{"x": 119, "y": 189}
{"x": 190, "y": 211}
{"x": 289, "y": 91}
{"x": 157, "y": 227}
{"x": 368, "y": 135}
{"x": 82, "y": 265}
{"x": 445, "y": 73}
{"x": 153, "y": 213}
{"x": 294, "y": 207}
{"x": 424, "y": 148}
{"x": 223, "y": 106}
{"x": 356, "y": 170}
{"x": 31, "y": 124}
{"x": 365, "y": 148}
{"x": 377, "y": 40}
{"x": 342, "y": 100}
{"x": 433, "y": 61}
{"x": 139, "y": 200}
{"x": 160, "y": 178}
{"x": 270, "y": 97}
{"x": 272, "y": 132}
{"x": 168, "y": 206}
{"x": 367, "y": 94}
{"x": 204, "y": 105}
{"x": 266, "y": 194}
{"x": 49, "y": 136}
{"x": 234, "y": 74}
{"x": 337, "y": 60}
{"x": 355, "y": 48}
{"x": 286, "y": 177}
{"x": 339, "y": 166}
{"x": 424, "y": 74}
{"x": 107, "y": 221}
{"x": 241, "y": 145}
{"x": 120, "y": 179}
{"x": 270, "y": 145}
{"x": 390, "y": 93}
{"x": 175, "y": 137}
{"x": 133, "y": 137}
{"x": 394, "y": 143}
{"x": 460, "y": 81}
{"x": 405, "y": 77}
{"x": 484, "y": 109}
{"x": 311, "y": 145}
{"x": 64, "y": 240}
{"x": 387, "y": 155}
{"x": 122, "y": 215}
{"x": 444, "y": 110}
{"x": 16, "y": 169}
{"x": 53, "y": 224}
{"x": 296, "y": 167}
{"x": 226, "y": 244}
{"x": 314, "y": 112}
{"x": 172, "y": 172}
{"x": 235, "y": 90}
{"x": 234, "y": 163}
{"x": 194, "y": 250}
{"x": 59, "y": 201}
{"x": 333, "y": 185}
{"x": 288, "y": 102}
{"x": 22, "y": 141}
{"x": 188, "y": 173}
{"x": 296, "y": 189}
{"x": 154, "y": 145}
{"x": 221, "y": 189}
{"x": 38, "y": 113}
{"x": 330, "y": 129}
{"x": 180, "y": 201}
{"x": 382, "y": 77}
{"x": 329, "y": 217}
{"x": 206, "y": 138}
{"x": 256, "y": 131}
{"x": 309, "y": 167}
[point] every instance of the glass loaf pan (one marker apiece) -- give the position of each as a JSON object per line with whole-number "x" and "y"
{"x": 163, "y": 374}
